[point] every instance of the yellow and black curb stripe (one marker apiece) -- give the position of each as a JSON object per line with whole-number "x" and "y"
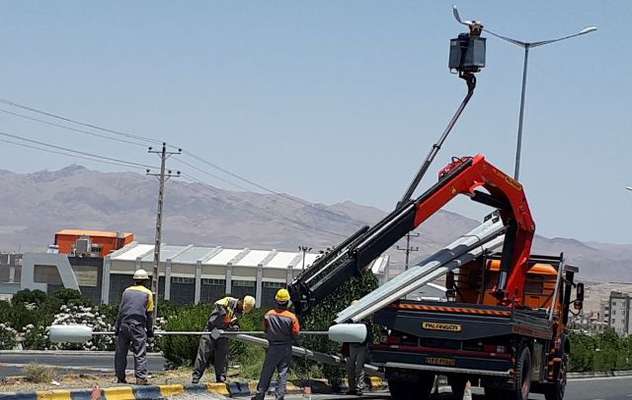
{"x": 153, "y": 392}
{"x": 147, "y": 392}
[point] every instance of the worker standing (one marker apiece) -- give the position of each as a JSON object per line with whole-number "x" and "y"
{"x": 281, "y": 328}
{"x": 224, "y": 317}
{"x": 358, "y": 353}
{"x": 134, "y": 325}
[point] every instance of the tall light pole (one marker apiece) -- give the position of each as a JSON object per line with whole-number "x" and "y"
{"x": 526, "y": 46}
{"x": 304, "y": 249}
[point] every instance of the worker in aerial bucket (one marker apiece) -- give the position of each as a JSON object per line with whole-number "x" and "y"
{"x": 224, "y": 317}
{"x": 133, "y": 326}
{"x": 281, "y": 327}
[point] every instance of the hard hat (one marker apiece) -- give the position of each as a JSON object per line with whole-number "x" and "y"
{"x": 249, "y": 303}
{"x": 282, "y": 296}
{"x": 141, "y": 275}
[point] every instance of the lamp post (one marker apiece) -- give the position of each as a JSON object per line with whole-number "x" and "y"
{"x": 526, "y": 46}
{"x": 304, "y": 249}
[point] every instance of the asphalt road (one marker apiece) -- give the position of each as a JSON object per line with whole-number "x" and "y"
{"x": 618, "y": 388}
{"x": 11, "y": 364}
{"x": 615, "y": 388}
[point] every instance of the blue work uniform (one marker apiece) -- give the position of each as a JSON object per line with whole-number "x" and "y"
{"x": 216, "y": 350}
{"x": 133, "y": 325}
{"x": 281, "y": 327}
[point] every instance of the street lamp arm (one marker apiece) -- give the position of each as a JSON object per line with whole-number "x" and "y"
{"x": 507, "y": 39}
{"x": 582, "y": 32}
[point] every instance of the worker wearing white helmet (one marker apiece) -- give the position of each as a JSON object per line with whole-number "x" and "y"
{"x": 133, "y": 325}
{"x": 224, "y": 317}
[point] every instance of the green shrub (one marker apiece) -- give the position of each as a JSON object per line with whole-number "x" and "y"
{"x": 181, "y": 350}
{"x": 27, "y": 296}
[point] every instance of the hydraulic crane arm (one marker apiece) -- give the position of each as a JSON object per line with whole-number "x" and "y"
{"x": 462, "y": 176}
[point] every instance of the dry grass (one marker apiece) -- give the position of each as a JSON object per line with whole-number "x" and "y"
{"x": 36, "y": 373}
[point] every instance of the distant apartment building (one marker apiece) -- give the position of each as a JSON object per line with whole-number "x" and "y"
{"x": 619, "y": 313}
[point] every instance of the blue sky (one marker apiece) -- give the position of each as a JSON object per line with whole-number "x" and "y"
{"x": 336, "y": 100}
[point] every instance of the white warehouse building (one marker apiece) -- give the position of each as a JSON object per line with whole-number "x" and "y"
{"x": 194, "y": 274}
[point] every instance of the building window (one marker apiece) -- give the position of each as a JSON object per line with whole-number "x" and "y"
{"x": 87, "y": 275}
{"x": 47, "y": 274}
{"x": 179, "y": 279}
{"x": 243, "y": 283}
{"x": 213, "y": 282}
{"x": 274, "y": 285}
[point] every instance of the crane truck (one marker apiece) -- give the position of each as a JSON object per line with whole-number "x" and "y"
{"x": 504, "y": 325}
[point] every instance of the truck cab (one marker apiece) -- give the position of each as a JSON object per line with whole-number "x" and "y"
{"x": 510, "y": 350}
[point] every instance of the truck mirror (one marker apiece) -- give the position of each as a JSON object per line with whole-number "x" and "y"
{"x": 578, "y": 304}
{"x": 580, "y": 292}
{"x": 449, "y": 280}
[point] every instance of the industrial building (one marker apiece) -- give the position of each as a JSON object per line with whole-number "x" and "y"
{"x": 194, "y": 274}
{"x": 188, "y": 274}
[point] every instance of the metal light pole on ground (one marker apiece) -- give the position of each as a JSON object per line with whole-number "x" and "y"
{"x": 526, "y": 46}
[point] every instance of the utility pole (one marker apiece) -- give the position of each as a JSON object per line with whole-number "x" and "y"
{"x": 408, "y": 249}
{"x": 163, "y": 176}
{"x": 304, "y": 249}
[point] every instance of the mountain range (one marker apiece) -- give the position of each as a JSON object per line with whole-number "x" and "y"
{"x": 36, "y": 205}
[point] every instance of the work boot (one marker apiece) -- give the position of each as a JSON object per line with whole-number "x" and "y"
{"x": 142, "y": 381}
{"x": 220, "y": 378}
{"x": 119, "y": 380}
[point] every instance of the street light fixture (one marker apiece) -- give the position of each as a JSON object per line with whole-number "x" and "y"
{"x": 526, "y": 46}
{"x": 628, "y": 188}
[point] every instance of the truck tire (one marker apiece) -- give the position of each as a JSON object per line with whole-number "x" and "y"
{"x": 457, "y": 384}
{"x": 412, "y": 387}
{"x": 492, "y": 393}
{"x": 555, "y": 391}
{"x": 523, "y": 376}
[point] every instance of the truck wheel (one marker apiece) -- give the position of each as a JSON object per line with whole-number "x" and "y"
{"x": 492, "y": 393}
{"x": 457, "y": 384}
{"x": 555, "y": 391}
{"x": 414, "y": 388}
{"x": 523, "y": 375}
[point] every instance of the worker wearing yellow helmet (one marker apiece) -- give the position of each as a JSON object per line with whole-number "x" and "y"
{"x": 224, "y": 316}
{"x": 281, "y": 327}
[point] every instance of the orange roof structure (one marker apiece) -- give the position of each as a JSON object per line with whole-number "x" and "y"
{"x": 84, "y": 232}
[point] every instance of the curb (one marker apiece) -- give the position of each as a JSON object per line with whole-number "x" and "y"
{"x": 155, "y": 391}
{"x": 579, "y": 375}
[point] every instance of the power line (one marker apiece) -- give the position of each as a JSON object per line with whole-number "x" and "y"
{"x": 28, "y": 146}
{"x": 131, "y": 163}
{"x": 23, "y": 116}
{"x": 205, "y": 172}
{"x": 87, "y": 125}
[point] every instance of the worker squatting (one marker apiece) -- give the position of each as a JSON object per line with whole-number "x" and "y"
{"x": 134, "y": 325}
